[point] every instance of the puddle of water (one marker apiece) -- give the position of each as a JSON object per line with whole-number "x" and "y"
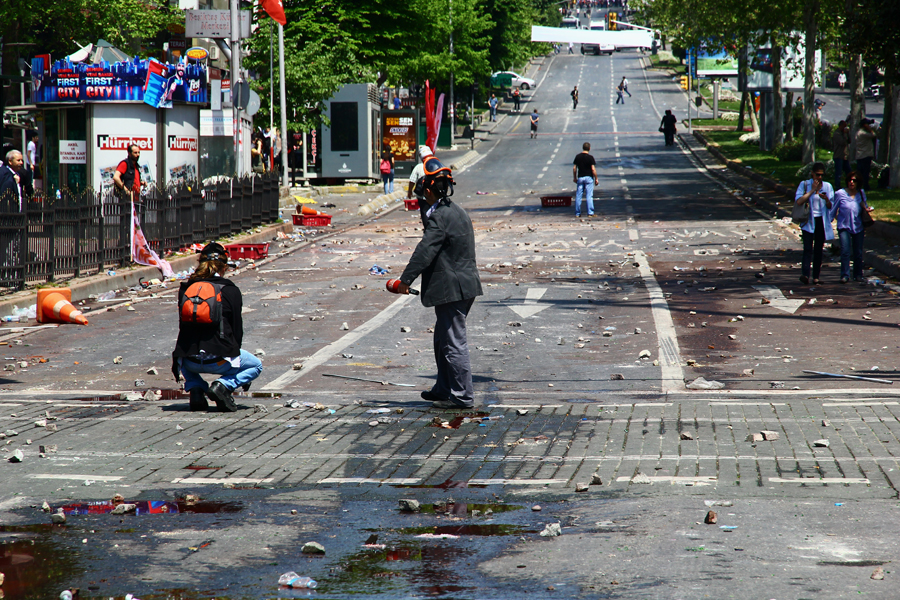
{"x": 153, "y": 507}
{"x": 462, "y": 508}
{"x": 462, "y": 418}
{"x": 36, "y": 567}
{"x": 492, "y": 529}
{"x": 202, "y": 468}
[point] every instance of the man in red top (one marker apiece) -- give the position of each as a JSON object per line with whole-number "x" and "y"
{"x": 127, "y": 177}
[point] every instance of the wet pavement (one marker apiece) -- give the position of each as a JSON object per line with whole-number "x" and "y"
{"x": 582, "y": 346}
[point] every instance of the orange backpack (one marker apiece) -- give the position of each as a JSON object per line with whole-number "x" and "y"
{"x": 202, "y": 304}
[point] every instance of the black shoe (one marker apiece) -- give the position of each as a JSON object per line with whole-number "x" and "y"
{"x": 246, "y": 387}
{"x": 448, "y": 405}
{"x": 844, "y": 280}
{"x": 198, "y": 400}
{"x": 432, "y": 397}
{"x": 804, "y": 280}
{"x": 221, "y": 395}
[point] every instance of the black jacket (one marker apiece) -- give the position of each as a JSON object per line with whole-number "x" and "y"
{"x": 9, "y": 190}
{"x": 193, "y": 338}
{"x": 445, "y": 257}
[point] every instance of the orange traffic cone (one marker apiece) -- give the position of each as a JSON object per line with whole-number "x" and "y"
{"x": 55, "y": 306}
{"x": 305, "y": 210}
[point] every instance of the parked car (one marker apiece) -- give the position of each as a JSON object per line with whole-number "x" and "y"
{"x": 597, "y": 49}
{"x": 570, "y": 23}
{"x": 511, "y": 79}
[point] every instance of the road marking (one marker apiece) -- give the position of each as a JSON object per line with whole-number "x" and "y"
{"x": 633, "y": 234}
{"x": 860, "y": 403}
{"x": 672, "y": 377}
{"x": 388, "y": 481}
{"x": 223, "y": 480}
{"x": 530, "y": 307}
{"x": 508, "y": 212}
{"x": 324, "y": 354}
{"x": 72, "y": 476}
{"x": 672, "y": 479}
{"x": 540, "y": 175}
{"x": 550, "y": 162}
{"x": 515, "y": 481}
{"x": 519, "y": 201}
{"x": 777, "y": 299}
{"x": 819, "y": 480}
{"x": 716, "y": 403}
{"x": 489, "y": 406}
{"x": 545, "y": 169}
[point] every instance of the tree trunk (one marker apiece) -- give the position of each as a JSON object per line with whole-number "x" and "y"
{"x": 740, "y": 122}
{"x": 895, "y": 139}
{"x": 778, "y": 114}
{"x": 788, "y": 112}
{"x": 884, "y": 133}
{"x": 857, "y": 100}
{"x": 809, "y": 84}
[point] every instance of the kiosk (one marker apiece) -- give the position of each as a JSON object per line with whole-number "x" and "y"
{"x": 352, "y": 143}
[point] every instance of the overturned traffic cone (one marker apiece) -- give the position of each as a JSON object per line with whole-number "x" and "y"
{"x": 55, "y": 306}
{"x": 305, "y": 210}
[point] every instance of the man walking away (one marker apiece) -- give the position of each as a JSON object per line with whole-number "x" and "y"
{"x": 584, "y": 174}
{"x": 574, "y": 94}
{"x": 667, "y": 126}
{"x": 534, "y": 123}
{"x": 624, "y": 85}
{"x": 445, "y": 258}
{"x": 840, "y": 143}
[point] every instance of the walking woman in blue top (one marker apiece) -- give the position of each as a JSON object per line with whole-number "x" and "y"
{"x": 848, "y": 206}
{"x": 817, "y": 229}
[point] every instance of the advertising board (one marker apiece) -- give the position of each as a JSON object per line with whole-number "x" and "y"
{"x": 182, "y": 151}
{"x": 115, "y": 126}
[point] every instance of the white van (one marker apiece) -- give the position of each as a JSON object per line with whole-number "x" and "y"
{"x": 570, "y": 23}
{"x": 598, "y": 25}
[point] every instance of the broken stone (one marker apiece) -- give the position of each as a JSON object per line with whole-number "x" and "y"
{"x": 260, "y": 352}
{"x": 11, "y": 432}
{"x": 123, "y": 508}
{"x": 536, "y": 508}
{"x": 877, "y": 574}
{"x": 687, "y": 435}
{"x": 748, "y": 373}
{"x": 409, "y": 505}
{"x": 17, "y": 456}
{"x": 776, "y": 385}
{"x": 637, "y": 331}
{"x": 711, "y": 518}
{"x": 691, "y": 362}
{"x": 405, "y": 329}
{"x": 642, "y": 478}
{"x": 344, "y": 326}
{"x": 260, "y": 408}
{"x": 552, "y": 530}
{"x": 718, "y": 502}
{"x": 616, "y": 377}
{"x": 345, "y": 355}
{"x": 152, "y": 395}
{"x": 581, "y": 487}
{"x": 821, "y": 443}
{"x": 607, "y": 334}
{"x": 313, "y": 548}
{"x": 131, "y": 396}
{"x": 595, "y": 479}
{"x": 702, "y": 384}
{"x": 732, "y": 337}
{"x": 373, "y": 423}
{"x": 522, "y": 412}
{"x": 644, "y": 354}
{"x": 48, "y": 449}
{"x": 45, "y": 507}
{"x": 191, "y": 499}
{"x": 754, "y": 437}
{"x": 826, "y": 423}
{"x": 769, "y": 436}
{"x": 58, "y": 518}
{"x": 297, "y": 366}
{"x": 40, "y": 423}
{"x": 139, "y": 383}
{"x": 118, "y": 360}
{"x": 152, "y": 371}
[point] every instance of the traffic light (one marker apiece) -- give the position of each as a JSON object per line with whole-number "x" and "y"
{"x": 684, "y": 82}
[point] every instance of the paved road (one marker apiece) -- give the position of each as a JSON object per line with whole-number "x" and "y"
{"x": 674, "y": 263}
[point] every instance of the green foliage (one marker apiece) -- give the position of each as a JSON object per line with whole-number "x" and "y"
{"x": 790, "y": 151}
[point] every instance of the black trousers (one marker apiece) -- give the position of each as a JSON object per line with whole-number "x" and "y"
{"x": 813, "y": 243}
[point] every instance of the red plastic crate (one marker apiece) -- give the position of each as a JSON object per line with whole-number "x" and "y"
{"x": 251, "y": 251}
{"x": 556, "y": 201}
{"x": 312, "y": 220}
{"x": 412, "y": 204}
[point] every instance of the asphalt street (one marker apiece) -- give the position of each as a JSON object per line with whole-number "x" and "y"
{"x": 674, "y": 263}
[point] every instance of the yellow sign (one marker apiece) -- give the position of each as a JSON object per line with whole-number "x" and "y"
{"x": 198, "y": 53}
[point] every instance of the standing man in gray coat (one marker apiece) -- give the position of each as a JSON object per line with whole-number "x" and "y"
{"x": 445, "y": 258}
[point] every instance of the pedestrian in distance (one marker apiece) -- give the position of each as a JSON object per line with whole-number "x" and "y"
{"x": 668, "y": 127}
{"x": 574, "y": 94}
{"x": 210, "y": 332}
{"x": 12, "y": 194}
{"x": 445, "y": 259}
{"x": 516, "y": 98}
{"x": 127, "y": 177}
{"x": 571, "y": 48}
{"x": 534, "y": 123}
{"x": 386, "y": 166}
{"x": 492, "y": 104}
{"x": 849, "y": 205}
{"x": 842, "y": 80}
{"x": 817, "y": 229}
{"x": 840, "y": 144}
{"x": 866, "y": 136}
{"x": 624, "y": 84}
{"x": 584, "y": 174}
{"x": 619, "y": 97}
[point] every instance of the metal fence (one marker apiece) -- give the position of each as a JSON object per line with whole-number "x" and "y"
{"x": 86, "y": 233}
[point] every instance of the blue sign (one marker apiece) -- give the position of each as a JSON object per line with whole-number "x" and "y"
{"x": 127, "y": 81}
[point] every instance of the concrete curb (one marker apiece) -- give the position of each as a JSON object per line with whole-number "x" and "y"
{"x": 890, "y": 233}
{"x": 127, "y": 277}
{"x": 464, "y": 160}
{"x": 380, "y": 203}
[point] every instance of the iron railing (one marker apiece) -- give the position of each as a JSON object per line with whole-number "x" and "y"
{"x": 83, "y": 233}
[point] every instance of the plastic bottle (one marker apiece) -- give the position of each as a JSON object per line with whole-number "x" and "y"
{"x": 293, "y": 580}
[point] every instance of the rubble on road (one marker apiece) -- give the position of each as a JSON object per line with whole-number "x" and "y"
{"x": 552, "y": 530}
{"x": 702, "y": 384}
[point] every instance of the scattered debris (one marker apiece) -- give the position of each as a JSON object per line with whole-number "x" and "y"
{"x": 58, "y": 518}
{"x": 536, "y": 508}
{"x": 637, "y": 331}
{"x": 823, "y": 443}
{"x": 297, "y": 366}
{"x": 769, "y": 436}
{"x": 17, "y": 456}
{"x": 776, "y": 385}
{"x": 260, "y": 408}
{"x": 702, "y": 384}
{"x": 826, "y": 423}
{"x": 409, "y": 505}
{"x": 405, "y": 329}
{"x": 718, "y": 503}
{"x": 522, "y": 412}
{"x": 260, "y": 352}
{"x": 581, "y": 487}
{"x": 552, "y": 530}
{"x": 139, "y": 383}
{"x": 687, "y": 435}
{"x": 748, "y": 373}
{"x": 344, "y": 326}
{"x": 373, "y": 423}
{"x": 313, "y": 548}
{"x": 152, "y": 371}
{"x": 642, "y": 478}
{"x": 118, "y": 360}
{"x": 711, "y": 518}
{"x": 595, "y": 479}
{"x": 645, "y": 354}
{"x": 45, "y": 507}
{"x": 877, "y": 574}
{"x": 123, "y": 508}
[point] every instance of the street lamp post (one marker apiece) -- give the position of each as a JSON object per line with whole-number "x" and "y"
{"x": 452, "y": 104}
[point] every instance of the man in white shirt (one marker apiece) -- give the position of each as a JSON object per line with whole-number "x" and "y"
{"x": 31, "y": 151}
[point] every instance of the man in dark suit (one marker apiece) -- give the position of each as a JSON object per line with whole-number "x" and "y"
{"x": 445, "y": 258}
{"x": 11, "y": 182}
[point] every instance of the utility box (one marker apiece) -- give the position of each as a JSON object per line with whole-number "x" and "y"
{"x": 352, "y": 143}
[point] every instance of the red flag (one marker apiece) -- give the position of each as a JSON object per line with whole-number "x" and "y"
{"x": 275, "y": 8}
{"x": 431, "y": 132}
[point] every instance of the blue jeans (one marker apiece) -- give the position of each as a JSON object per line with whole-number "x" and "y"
{"x": 852, "y": 247}
{"x": 231, "y": 377}
{"x": 493, "y": 113}
{"x": 388, "y": 180}
{"x": 584, "y": 187}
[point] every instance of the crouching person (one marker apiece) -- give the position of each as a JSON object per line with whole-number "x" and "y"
{"x": 210, "y": 331}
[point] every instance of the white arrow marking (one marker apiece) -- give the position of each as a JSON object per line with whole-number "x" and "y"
{"x": 531, "y": 307}
{"x": 777, "y": 299}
